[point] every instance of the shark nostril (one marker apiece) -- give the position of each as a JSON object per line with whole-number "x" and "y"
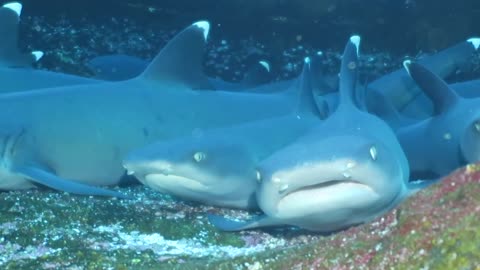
{"x": 283, "y": 188}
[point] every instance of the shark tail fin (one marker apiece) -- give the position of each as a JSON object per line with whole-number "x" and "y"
{"x": 10, "y": 56}
{"x": 306, "y": 100}
{"x": 433, "y": 86}
{"x": 257, "y": 74}
{"x": 180, "y": 61}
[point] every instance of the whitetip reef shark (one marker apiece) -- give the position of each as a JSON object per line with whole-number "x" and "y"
{"x": 447, "y": 140}
{"x": 80, "y": 134}
{"x": 217, "y": 167}
{"x": 346, "y": 171}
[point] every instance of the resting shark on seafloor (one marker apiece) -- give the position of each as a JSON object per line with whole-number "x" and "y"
{"x": 447, "y": 140}
{"x": 81, "y": 133}
{"x": 217, "y": 167}
{"x": 346, "y": 171}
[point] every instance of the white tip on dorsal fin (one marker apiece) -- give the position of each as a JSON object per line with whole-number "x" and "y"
{"x": 265, "y": 64}
{"x": 180, "y": 61}
{"x": 475, "y": 42}
{"x": 37, "y": 55}
{"x": 406, "y": 65}
{"x": 356, "y": 41}
{"x": 15, "y": 6}
{"x": 205, "y": 26}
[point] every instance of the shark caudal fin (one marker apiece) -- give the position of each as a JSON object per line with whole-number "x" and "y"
{"x": 258, "y": 74}
{"x": 442, "y": 96}
{"x": 10, "y": 56}
{"x": 180, "y": 61}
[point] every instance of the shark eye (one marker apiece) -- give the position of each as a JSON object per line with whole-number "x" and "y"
{"x": 373, "y": 153}
{"x": 258, "y": 176}
{"x": 476, "y": 126}
{"x": 199, "y": 156}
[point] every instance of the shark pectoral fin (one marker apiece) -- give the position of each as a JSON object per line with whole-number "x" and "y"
{"x": 417, "y": 185}
{"x": 50, "y": 180}
{"x": 180, "y": 61}
{"x": 229, "y": 225}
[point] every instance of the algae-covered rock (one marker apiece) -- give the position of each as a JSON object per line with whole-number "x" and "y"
{"x": 438, "y": 228}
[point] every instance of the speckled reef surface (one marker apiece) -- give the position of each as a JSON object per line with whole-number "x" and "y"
{"x": 438, "y": 228}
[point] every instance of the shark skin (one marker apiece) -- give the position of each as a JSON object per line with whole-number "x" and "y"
{"x": 218, "y": 167}
{"x": 10, "y": 56}
{"x": 82, "y": 133}
{"x": 447, "y": 140}
{"x": 346, "y": 171}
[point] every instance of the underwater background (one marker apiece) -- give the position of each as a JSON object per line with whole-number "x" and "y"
{"x": 437, "y": 229}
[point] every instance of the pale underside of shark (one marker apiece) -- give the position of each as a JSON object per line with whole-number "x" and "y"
{"x": 218, "y": 166}
{"x": 346, "y": 171}
{"x": 82, "y": 133}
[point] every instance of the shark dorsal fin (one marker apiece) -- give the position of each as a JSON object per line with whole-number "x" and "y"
{"x": 348, "y": 73}
{"x": 306, "y": 101}
{"x": 257, "y": 74}
{"x": 442, "y": 96}
{"x": 10, "y": 56}
{"x": 180, "y": 61}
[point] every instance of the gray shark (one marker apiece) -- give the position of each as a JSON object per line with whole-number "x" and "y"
{"x": 81, "y": 133}
{"x": 450, "y": 138}
{"x": 346, "y": 171}
{"x": 400, "y": 89}
{"x": 10, "y": 56}
{"x": 217, "y": 167}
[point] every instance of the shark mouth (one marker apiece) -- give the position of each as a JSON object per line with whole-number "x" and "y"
{"x": 171, "y": 180}
{"x": 326, "y": 196}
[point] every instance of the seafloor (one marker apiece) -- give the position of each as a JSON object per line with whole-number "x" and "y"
{"x": 438, "y": 228}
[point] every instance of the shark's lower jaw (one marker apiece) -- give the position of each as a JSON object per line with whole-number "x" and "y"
{"x": 325, "y": 199}
{"x": 169, "y": 182}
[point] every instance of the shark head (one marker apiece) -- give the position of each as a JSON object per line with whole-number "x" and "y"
{"x": 196, "y": 168}
{"x": 339, "y": 179}
{"x": 346, "y": 171}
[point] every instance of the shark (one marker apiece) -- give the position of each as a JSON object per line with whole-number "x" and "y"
{"x": 217, "y": 167}
{"x": 447, "y": 140}
{"x": 344, "y": 172}
{"x": 81, "y": 133}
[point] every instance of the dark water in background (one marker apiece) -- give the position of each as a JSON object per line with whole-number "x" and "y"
{"x": 395, "y": 25}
